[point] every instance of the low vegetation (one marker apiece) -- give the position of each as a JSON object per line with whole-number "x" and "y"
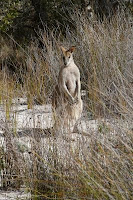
{"x": 96, "y": 164}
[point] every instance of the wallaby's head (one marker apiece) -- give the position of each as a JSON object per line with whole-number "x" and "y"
{"x": 67, "y": 55}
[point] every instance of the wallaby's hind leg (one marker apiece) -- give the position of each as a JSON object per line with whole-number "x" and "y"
{"x": 74, "y": 113}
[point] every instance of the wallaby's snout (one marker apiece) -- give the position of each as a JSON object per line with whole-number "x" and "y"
{"x": 64, "y": 60}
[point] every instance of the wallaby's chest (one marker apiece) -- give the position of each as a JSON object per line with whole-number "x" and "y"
{"x": 69, "y": 74}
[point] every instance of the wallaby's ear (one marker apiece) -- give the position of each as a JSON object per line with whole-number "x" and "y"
{"x": 72, "y": 49}
{"x": 63, "y": 50}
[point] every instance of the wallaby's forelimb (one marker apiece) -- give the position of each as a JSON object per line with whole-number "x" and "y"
{"x": 67, "y": 93}
{"x": 77, "y": 94}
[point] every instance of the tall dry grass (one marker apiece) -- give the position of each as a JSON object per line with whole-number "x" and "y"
{"x": 92, "y": 165}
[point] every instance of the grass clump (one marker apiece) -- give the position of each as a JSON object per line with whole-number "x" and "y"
{"x": 96, "y": 164}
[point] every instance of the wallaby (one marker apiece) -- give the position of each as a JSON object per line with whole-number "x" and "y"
{"x": 66, "y": 101}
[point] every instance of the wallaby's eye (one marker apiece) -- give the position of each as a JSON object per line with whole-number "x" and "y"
{"x": 69, "y": 56}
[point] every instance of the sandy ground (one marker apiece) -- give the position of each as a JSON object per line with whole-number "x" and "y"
{"x": 24, "y": 121}
{"x": 14, "y": 195}
{"x": 40, "y": 116}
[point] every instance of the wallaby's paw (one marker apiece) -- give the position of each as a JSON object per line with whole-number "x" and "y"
{"x": 71, "y": 101}
{"x": 76, "y": 100}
